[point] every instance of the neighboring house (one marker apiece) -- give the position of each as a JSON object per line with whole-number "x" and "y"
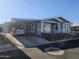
{"x": 36, "y": 26}
{"x": 75, "y": 28}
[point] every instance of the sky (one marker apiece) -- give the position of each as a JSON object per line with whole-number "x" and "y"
{"x": 39, "y": 9}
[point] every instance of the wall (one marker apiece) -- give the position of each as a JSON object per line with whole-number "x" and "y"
{"x": 66, "y": 28}
{"x": 61, "y": 27}
{"x": 38, "y": 26}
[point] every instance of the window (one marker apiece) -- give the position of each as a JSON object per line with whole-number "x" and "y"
{"x": 31, "y": 28}
{"x": 46, "y": 27}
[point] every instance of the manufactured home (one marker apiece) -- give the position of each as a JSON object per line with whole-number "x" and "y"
{"x": 36, "y": 26}
{"x": 75, "y": 28}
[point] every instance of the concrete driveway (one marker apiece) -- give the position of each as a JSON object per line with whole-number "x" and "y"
{"x": 30, "y": 41}
{"x": 36, "y": 53}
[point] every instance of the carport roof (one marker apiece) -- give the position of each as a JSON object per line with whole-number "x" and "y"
{"x": 22, "y": 19}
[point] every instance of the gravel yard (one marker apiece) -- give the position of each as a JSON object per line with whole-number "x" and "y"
{"x": 9, "y": 51}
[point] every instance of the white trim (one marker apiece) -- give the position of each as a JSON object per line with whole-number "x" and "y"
{"x": 63, "y": 28}
{"x": 58, "y": 31}
{"x": 66, "y": 29}
{"x": 49, "y": 21}
{"x": 75, "y": 25}
{"x": 58, "y": 27}
{"x": 42, "y": 28}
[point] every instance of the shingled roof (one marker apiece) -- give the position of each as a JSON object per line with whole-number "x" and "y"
{"x": 61, "y": 19}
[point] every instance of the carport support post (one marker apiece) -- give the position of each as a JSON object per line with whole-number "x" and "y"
{"x": 59, "y": 28}
{"x": 5, "y": 34}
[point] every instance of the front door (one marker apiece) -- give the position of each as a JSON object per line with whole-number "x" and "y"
{"x": 54, "y": 28}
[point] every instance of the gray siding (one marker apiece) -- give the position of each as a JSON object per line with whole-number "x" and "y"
{"x": 38, "y": 28}
{"x": 61, "y": 27}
